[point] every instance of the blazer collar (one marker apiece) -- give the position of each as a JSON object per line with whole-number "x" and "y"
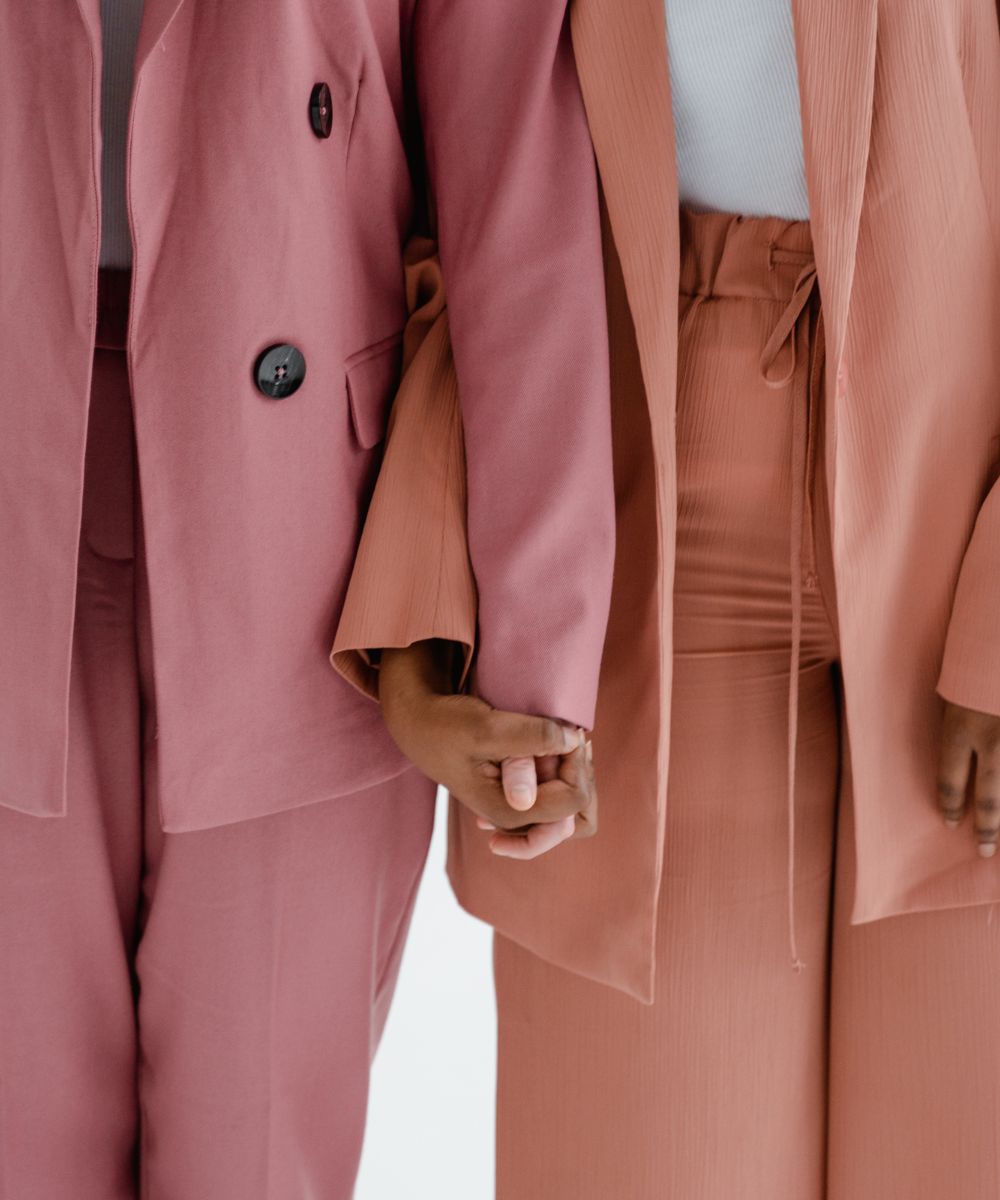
{"x": 621, "y": 52}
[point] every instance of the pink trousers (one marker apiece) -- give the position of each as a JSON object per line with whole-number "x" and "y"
{"x": 186, "y": 1016}
{"x": 872, "y": 1074}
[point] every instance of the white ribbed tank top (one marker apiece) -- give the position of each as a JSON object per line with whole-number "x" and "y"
{"x": 119, "y": 35}
{"x": 734, "y": 79}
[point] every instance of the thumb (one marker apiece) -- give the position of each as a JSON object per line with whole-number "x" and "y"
{"x": 520, "y": 782}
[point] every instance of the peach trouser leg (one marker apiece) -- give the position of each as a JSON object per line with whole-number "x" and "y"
{"x": 914, "y": 1101}
{"x": 216, "y": 995}
{"x": 721, "y": 1089}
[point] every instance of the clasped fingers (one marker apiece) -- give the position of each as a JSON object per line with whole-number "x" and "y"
{"x": 573, "y": 785}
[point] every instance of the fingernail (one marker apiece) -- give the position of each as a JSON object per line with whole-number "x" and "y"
{"x": 987, "y": 849}
{"x": 590, "y": 750}
{"x": 952, "y": 822}
{"x": 521, "y": 791}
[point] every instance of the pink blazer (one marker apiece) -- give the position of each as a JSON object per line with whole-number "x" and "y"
{"x": 250, "y": 229}
{"x": 901, "y": 114}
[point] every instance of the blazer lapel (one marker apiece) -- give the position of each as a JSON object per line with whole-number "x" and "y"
{"x": 90, "y": 11}
{"x": 621, "y": 53}
{"x": 835, "y": 45}
{"x": 156, "y": 16}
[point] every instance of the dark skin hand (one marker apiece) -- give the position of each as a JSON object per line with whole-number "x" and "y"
{"x": 528, "y": 779}
{"x": 490, "y": 760}
{"x": 969, "y": 735}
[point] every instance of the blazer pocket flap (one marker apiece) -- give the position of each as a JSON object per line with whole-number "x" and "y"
{"x": 372, "y": 381}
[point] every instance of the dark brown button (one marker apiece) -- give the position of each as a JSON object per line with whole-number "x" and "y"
{"x": 279, "y": 370}
{"x": 321, "y": 110}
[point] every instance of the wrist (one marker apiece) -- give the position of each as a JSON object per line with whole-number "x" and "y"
{"x": 416, "y": 671}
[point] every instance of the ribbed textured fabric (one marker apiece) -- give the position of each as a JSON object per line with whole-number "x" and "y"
{"x": 729, "y": 252}
{"x": 120, "y": 20}
{"x": 438, "y": 586}
{"x": 737, "y": 117}
{"x": 745, "y": 1079}
{"x": 717, "y": 1090}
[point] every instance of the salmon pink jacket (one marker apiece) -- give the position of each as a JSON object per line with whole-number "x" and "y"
{"x": 250, "y": 229}
{"x": 901, "y": 116}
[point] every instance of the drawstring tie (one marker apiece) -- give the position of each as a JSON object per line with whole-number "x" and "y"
{"x": 788, "y": 332}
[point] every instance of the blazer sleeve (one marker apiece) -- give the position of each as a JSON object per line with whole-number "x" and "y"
{"x": 412, "y": 579}
{"x": 970, "y": 667}
{"x": 513, "y": 188}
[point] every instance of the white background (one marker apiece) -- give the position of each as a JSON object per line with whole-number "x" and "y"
{"x": 431, "y": 1114}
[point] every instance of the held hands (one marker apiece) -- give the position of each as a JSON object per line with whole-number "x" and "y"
{"x": 529, "y": 780}
{"x": 967, "y": 733}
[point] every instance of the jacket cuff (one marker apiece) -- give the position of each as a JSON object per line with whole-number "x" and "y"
{"x": 563, "y": 690}
{"x": 359, "y": 663}
{"x": 412, "y": 578}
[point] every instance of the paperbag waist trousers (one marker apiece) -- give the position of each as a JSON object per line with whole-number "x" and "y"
{"x": 193, "y": 1014}
{"x": 871, "y": 1072}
